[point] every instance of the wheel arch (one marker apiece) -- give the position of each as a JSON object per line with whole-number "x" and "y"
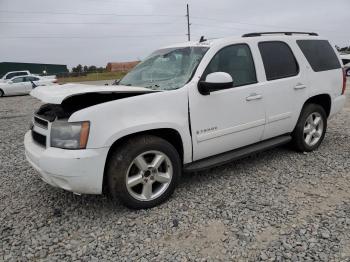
{"x": 168, "y": 134}
{"x": 323, "y": 100}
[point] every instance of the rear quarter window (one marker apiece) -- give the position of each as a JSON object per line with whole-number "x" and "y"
{"x": 319, "y": 54}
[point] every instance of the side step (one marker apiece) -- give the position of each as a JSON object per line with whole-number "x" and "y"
{"x": 227, "y": 157}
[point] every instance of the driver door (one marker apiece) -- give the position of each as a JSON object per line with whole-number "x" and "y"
{"x": 230, "y": 118}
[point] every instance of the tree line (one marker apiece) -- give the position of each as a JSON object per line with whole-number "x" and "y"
{"x": 88, "y": 69}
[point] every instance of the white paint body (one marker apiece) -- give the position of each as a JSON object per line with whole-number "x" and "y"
{"x": 13, "y": 74}
{"x": 20, "y": 85}
{"x": 219, "y": 122}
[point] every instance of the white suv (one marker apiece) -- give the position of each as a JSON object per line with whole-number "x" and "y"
{"x": 186, "y": 107}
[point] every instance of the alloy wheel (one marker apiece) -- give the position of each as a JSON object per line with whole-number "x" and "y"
{"x": 313, "y": 129}
{"x": 149, "y": 175}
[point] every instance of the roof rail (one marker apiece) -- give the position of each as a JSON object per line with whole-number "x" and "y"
{"x": 279, "y": 33}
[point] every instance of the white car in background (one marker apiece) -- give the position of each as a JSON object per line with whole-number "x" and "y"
{"x": 21, "y": 85}
{"x": 346, "y": 61}
{"x": 9, "y": 75}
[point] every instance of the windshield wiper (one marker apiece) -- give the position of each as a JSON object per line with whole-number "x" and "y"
{"x": 155, "y": 86}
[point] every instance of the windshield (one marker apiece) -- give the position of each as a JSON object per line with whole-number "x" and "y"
{"x": 166, "y": 69}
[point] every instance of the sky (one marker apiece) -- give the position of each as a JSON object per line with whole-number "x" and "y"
{"x": 95, "y": 32}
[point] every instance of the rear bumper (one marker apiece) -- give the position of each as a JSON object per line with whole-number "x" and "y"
{"x": 78, "y": 171}
{"x": 337, "y": 105}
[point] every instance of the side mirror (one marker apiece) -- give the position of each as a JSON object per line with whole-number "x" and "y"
{"x": 9, "y": 82}
{"x": 214, "y": 82}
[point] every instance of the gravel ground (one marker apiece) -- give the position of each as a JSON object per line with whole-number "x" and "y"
{"x": 278, "y": 205}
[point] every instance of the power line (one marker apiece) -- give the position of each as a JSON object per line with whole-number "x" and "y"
{"x": 85, "y": 37}
{"x": 84, "y": 23}
{"x": 260, "y": 25}
{"x": 88, "y": 14}
{"x": 217, "y": 26}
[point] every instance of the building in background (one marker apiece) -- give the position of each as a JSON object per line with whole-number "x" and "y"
{"x": 121, "y": 66}
{"x": 35, "y": 68}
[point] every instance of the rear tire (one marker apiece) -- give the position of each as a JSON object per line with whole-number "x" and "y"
{"x": 310, "y": 129}
{"x": 143, "y": 172}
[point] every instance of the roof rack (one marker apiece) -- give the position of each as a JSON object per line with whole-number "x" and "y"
{"x": 279, "y": 33}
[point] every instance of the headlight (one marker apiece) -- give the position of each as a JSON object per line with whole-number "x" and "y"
{"x": 70, "y": 135}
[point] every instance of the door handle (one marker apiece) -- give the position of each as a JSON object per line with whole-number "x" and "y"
{"x": 253, "y": 97}
{"x": 299, "y": 86}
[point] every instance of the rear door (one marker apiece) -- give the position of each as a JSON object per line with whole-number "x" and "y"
{"x": 285, "y": 86}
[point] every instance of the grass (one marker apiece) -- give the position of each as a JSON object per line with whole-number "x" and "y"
{"x": 92, "y": 77}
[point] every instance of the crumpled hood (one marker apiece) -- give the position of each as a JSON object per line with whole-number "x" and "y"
{"x": 56, "y": 94}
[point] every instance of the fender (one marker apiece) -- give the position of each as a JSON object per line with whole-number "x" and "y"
{"x": 114, "y": 120}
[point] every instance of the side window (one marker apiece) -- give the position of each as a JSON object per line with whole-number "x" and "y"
{"x": 11, "y": 75}
{"x": 18, "y": 80}
{"x": 279, "y": 60}
{"x": 235, "y": 60}
{"x": 21, "y": 74}
{"x": 31, "y": 78}
{"x": 319, "y": 54}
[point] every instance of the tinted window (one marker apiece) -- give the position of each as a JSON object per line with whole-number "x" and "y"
{"x": 320, "y": 54}
{"x": 278, "y": 59}
{"x": 12, "y": 75}
{"x": 18, "y": 80}
{"x": 346, "y": 61}
{"x": 235, "y": 60}
{"x": 9, "y": 76}
{"x": 31, "y": 78}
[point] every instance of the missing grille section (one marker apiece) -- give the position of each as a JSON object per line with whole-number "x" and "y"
{"x": 39, "y": 138}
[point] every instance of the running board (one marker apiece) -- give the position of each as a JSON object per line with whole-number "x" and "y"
{"x": 227, "y": 157}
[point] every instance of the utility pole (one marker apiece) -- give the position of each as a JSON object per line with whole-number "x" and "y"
{"x": 188, "y": 24}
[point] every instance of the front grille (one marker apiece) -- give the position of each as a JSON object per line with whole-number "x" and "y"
{"x": 40, "y": 122}
{"x": 39, "y": 138}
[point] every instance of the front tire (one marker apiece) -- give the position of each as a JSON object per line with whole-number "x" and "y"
{"x": 1, "y": 93}
{"x": 143, "y": 172}
{"x": 348, "y": 72}
{"x": 310, "y": 129}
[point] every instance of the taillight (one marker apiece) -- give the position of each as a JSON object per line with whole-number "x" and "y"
{"x": 344, "y": 82}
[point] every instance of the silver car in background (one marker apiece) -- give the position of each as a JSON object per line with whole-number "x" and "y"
{"x": 346, "y": 61}
{"x": 22, "y": 85}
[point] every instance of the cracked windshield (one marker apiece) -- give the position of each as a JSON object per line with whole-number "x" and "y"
{"x": 166, "y": 69}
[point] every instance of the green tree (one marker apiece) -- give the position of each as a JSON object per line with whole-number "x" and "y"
{"x": 77, "y": 69}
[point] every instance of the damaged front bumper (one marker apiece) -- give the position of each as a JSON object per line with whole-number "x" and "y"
{"x": 78, "y": 171}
